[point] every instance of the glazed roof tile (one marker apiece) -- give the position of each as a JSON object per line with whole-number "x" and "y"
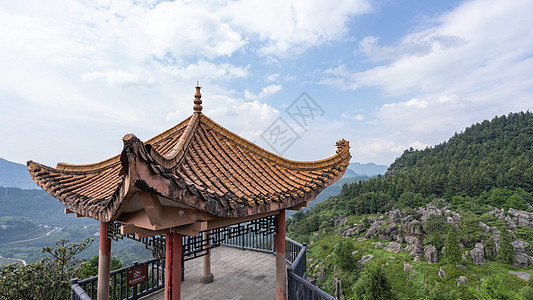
{"x": 197, "y": 163}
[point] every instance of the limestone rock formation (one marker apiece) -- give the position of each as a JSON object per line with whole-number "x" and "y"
{"x": 462, "y": 280}
{"x": 393, "y": 247}
{"x": 521, "y": 249}
{"x": 521, "y": 217}
{"x": 407, "y": 266}
{"x": 441, "y": 273}
{"x": 395, "y": 216}
{"x": 431, "y": 254}
{"x": 366, "y": 258}
{"x": 478, "y": 254}
{"x": 338, "y": 288}
{"x": 426, "y": 212}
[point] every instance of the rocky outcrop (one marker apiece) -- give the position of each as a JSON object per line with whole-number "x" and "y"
{"x": 478, "y": 254}
{"x": 498, "y": 213}
{"x": 338, "y": 288}
{"x": 373, "y": 229}
{"x": 366, "y": 258}
{"x": 522, "y": 275}
{"x": 462, "y": 280}
{"x": 352, "y": 231}
{"x": 395, "y": 216}
{"x": 521, "y": 250}
{"x": 339, "y": 220}
{"x": 414, "y": 245}
{"x": 377, "y": 244}
{"x": 426, "y": 212}
{"x": 416, "y": 248}
{"x": 407, "y": 266}
{"x": 465, "y": 256}
{"x": 413, "y": 228}
{"x": 416, "y": 258}
{"x": 441, "y": 273}
{"x": 521, "y": 217}
{"x": 393, "y": 247}
{"x": 431, "y": 254}
{"x": 322, "y": 273}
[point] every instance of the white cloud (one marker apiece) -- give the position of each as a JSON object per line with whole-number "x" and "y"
{"x": 206, "y": 71}
{"x": 267, "y": 91}
{"x": 272, "y": 77}
{"x": 299, "y": 24}
{"x": 371, "y": 148}
{"x": 352, "y": 116}
{"x": 342, "y": 78}
{"x": 118, "y": 78}
{"x": 472, "y": 48}
{"x": 472, "y": 63}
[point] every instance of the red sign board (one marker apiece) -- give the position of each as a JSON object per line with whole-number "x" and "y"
{"x": 137, "y": 275}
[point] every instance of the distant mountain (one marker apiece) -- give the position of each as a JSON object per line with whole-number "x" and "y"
{"x": 369, "y": 169}
{"x": 15, "y": 175}
{"x": 350, "y": 173}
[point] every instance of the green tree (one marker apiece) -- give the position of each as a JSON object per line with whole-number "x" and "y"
{"x": 344, "y": 258}
{"x": 90, "y": 267}
{"x": 469, "y": 232}
{"x": 48, "y": 278}
{"x": 373, "y": 284}
{"x": 515, "y": 201}
{"x": 506, "y": 250}
{"x": 366, "y": 222}
{"x": 490, "y": 249}
{"x": 492, "y": 288}
{"x": 452, "y": 252}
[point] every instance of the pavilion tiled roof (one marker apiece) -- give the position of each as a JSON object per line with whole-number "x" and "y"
{"x": 197, "y": 163}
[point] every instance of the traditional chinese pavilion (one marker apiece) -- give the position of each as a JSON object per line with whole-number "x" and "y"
{"x": 191, "y": 179}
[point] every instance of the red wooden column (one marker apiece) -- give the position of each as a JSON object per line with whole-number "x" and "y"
{"x": 173, "y": 258}
{"x": 207, "y": 276}
{"x": 104, "y": 260}
{"x": 281, "y": 267}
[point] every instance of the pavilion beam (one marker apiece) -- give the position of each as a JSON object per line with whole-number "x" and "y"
{"x": 104, "y": 260}
{"x": 281, "y": 267}
{"x": 152, "y": 206}
{"x": 173, "y": 249}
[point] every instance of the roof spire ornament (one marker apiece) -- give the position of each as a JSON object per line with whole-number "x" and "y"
{"x": 197, "y": 100}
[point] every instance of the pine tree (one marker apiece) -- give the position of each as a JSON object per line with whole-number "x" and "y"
{"x": 506, "y": 251}
{"x": 452, "y": 252}
{"x": 344, "y": 257}
{"x": 373, "y": 284}
{"x": 492, "y": 287}
{"x": 490, "y": 249}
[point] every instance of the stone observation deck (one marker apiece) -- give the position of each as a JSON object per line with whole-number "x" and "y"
{"x": 239, "y": 274}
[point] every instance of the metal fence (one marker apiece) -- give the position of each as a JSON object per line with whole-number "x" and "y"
{"x": 251, "y": 241}
{"x": 86, "y": 289}
{"x": 295, "y": 254}
{"x": 297, "y": 285}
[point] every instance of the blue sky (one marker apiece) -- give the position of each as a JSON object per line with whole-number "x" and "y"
{"x": 77, "y": 76}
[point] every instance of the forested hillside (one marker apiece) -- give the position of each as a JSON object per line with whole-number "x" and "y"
{"x": 454, "y": 221}
{"x": 489, "y": 155}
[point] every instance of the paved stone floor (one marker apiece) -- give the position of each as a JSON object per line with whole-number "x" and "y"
{"x": 239, "y": 274}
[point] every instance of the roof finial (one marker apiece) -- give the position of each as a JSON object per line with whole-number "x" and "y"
{"x": 197, "y": 100}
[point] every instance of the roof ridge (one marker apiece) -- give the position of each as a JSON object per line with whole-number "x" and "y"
{"x": 342, "y": 153}
{"x": 116, "y": 159}
{"x": 170, "y": 160}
